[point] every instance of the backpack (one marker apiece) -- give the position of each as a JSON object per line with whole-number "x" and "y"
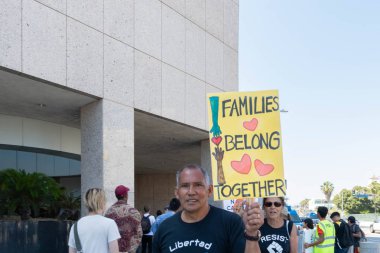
{"x": 347, "y": 238}
{"x": 362, "y": 234}
{"x": 363, "y": 238}
{"x": 145, "y": 224}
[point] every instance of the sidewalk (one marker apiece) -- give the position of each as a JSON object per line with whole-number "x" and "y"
{"x": 373, "y": 243}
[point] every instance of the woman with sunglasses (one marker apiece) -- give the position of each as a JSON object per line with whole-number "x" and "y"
{"x": 277, "y": 234}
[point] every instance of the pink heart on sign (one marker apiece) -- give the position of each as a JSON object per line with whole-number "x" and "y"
{"x": 216, "y": 140}
{"x": 251, "y": 125}
{"x": 263, "y": 169}
{"x": 243, "y": 166}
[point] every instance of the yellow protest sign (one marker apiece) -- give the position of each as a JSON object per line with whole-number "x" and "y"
{"x": 245, "y": 145}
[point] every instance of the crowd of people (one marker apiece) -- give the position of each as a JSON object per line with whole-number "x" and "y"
{"x": 335, "y": 236}
{"x": 190, "y": 225}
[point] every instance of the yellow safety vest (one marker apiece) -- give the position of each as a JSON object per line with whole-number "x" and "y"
{"x": 327, "y": 246}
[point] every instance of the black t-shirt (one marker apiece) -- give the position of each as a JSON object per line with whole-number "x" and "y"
{"x": 355, "y": 229}
{"x": 275, "y": 240}
{"x": 220, "y": 231}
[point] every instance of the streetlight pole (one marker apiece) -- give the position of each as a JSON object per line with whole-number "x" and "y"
{"x": 374, "y": 179}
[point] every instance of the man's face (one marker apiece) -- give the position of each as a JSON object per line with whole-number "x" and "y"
{"x": 193, "y": 191}
{"x": 336, "y": 218}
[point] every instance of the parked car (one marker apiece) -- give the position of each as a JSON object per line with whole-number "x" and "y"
{"x": 295, "y": 217}
{"x": 314, "y": 217}
{"x": 375, "y": 226}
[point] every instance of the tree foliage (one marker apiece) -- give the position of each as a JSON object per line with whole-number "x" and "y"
{"x": 374, "y": 189}
{"x": 26, "y": 193}
{"x": 353, "y": 204}
{"x": 327, "y": 188}
{"x": 304, "y": 205}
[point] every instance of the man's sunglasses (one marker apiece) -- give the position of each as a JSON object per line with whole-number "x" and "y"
{"x": 269, "y": 204}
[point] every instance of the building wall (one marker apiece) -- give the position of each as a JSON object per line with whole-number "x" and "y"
{"x": 161, "y": 57}
{"x": 154, "y": 190}
{"x": 27, "y": 132}
{"x": 315, "y": 203}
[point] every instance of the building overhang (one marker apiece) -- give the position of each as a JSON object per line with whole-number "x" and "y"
{"x": 26, "y": 96}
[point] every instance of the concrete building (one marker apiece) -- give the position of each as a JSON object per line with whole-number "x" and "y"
{"x": 97, "y": 93}
{"x": 315, "y": 203}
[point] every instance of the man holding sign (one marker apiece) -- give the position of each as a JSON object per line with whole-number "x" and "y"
{"x": 200, "y": 227}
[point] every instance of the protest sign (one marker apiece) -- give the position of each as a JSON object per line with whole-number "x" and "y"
{"x": 245, "y": 145}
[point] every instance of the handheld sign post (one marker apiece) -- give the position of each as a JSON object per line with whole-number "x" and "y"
{"x": 245, "y": 145}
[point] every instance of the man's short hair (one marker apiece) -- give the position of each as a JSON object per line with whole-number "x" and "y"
{"x": 351, "y": 219}
{"x": 146, "y": 209}
{"x": 193, "y": 167}
{"x": 322, "y": 210}
{"x": 174, "y": 204}
{"x": 334, "y": 214}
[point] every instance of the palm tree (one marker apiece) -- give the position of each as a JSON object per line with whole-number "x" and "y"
{"x": 327, "y": 188}
{"x": 23, "y": 193}
{"x": 305, "y": 203}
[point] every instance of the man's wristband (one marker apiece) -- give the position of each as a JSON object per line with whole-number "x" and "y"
{"x": 252, "y": 238}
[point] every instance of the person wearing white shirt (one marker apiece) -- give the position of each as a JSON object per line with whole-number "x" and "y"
{"x": 308, "y": 234}
{"x": 148, "y": 237}
{"x": 97, "y": 234}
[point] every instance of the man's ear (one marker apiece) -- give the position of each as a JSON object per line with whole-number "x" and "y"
{"x": 210, "y": 190}
{"x": 176, "y": 192}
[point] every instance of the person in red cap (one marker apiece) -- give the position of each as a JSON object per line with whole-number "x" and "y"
{"x": 128, "y": 219}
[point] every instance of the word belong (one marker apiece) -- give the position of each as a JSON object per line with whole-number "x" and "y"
{"x": 256, "y": 141}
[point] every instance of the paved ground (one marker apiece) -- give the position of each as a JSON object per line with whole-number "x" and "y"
{"x": 372, "y": 237}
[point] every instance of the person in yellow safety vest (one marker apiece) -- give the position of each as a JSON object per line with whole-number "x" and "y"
{"x": 324, "y": 234}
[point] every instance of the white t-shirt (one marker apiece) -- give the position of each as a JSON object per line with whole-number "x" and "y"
{"x": 95, "y": 232}
{"x": 308, "y": 237}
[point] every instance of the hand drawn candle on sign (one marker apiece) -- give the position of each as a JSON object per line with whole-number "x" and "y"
{"x": 245, "y": 141}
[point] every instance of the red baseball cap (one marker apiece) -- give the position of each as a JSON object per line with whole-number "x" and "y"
{"x": 121, "y": 190}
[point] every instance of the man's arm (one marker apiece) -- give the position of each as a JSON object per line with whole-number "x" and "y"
{"x": 253, "y": 219}
{"x": 320, "y": 240}
{"x": 252, "y": 247}
{"x": 155, "y": 225}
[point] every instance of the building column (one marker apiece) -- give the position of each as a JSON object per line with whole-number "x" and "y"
{"x": 107, "y": 143}
{"x": 206, "y": 164}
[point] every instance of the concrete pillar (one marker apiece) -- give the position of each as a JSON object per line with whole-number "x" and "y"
{"x": 206, "y": 164}
{"x": 107, "y": 130}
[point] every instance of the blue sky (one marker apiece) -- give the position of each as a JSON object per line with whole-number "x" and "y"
{"x": 324, "y": 58}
